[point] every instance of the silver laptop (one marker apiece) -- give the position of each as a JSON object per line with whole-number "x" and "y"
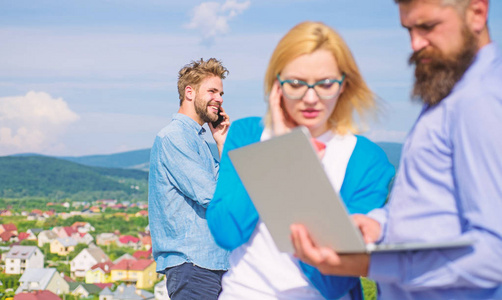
{"x": 287, "y": 184}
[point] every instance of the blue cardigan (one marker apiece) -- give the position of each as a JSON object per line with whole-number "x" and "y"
{"x": 232, "y": 217}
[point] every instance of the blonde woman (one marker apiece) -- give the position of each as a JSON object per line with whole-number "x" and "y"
{"x": 312, "y": 80}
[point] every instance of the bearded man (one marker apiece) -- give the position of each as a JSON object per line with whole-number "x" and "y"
{"x": 449, "y": 182}
{"x": 182, "y": 180}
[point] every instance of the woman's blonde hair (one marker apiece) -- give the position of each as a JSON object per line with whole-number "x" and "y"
{"x": 306, "y": 38}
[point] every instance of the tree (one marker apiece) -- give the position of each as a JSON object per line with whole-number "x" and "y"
{"x": 71, "y": 220}
{"x": 77, "y": 250}
{"x": 51, "y": 222}
{"x": 28, "y": 243}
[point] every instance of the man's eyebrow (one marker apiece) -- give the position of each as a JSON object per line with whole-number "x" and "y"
{"x": 214, "y": 89}
{"x": 422, "y": 25}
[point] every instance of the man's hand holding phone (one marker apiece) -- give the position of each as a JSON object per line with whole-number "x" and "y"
{"x": 219, "y": 129}
{"x": 220, "y": 119}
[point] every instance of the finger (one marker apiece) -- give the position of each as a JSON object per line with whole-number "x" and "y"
{"x": 369, "y": 227}
{"x": 331, "y": 263}
{"x": 330, "y": 257}
{"x": 298, "y": 243}
{"x": 295, "y": 241}
{"x": 358, "y": 219}
{"x": 226, "y": 119}
{"x": 309, "y": 252}
{"x": 275, "y": 98}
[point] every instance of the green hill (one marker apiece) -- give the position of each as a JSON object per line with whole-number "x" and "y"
{"x": 40, "y": 176}
{"x": 137, "y": 159}
{"x": 92, "y": 177}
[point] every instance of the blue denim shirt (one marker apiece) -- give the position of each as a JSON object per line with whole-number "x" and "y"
{"x": 182, "y": 180}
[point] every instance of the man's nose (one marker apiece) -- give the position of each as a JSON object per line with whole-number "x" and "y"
{"x": 218, "y": 99}
{"x": 418, "y": 41}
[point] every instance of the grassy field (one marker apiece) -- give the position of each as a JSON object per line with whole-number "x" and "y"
{"x": 369, "y": 289}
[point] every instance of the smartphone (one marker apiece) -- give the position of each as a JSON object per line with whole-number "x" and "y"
{"x": 220, "y": 119}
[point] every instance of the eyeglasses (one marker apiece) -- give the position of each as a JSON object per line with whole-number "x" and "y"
{"x": 326, "y": 89}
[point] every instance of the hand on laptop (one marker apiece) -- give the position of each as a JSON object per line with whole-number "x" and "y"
{"x": 369, "y": 227}
{"x": 324, "y": 258}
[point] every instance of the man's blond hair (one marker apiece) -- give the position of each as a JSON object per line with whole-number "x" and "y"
{"x": 459, "y": 5}
{"x": 195, "y": 72}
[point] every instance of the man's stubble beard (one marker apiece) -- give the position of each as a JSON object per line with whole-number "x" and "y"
{"x": 435, "y": 80}
{"x": 202, "y": 112}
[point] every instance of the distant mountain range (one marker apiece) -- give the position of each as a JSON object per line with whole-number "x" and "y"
{"x": 120, "y": 175}
{"x": 140, "y": 159}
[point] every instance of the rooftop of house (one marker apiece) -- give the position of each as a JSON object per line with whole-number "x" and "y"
{"x": 79, "y": 224}
{"x": 35, "y": 231}
{"x": 49, "y": 234}
{"x": 21, "y": 252}
{"x": 127, "y": 292}
{"x": 89, "y": 287}
{"x": 7, "y": 235}
{"x": 134, "y": 265}
{"x": 104, "y": 266}
{"x": 23, "y": 236}
{"x": 37, "y": 295}
{"x": 9, "y": 227}
{"x": 42, "y": 276}
{"x": 97, "y": 253}
{"x": 124, "y": 239}
{"x": 123, "y": 257}
{"x": 67, "y": 242}
{"x": 142, "y": 254}
{"x": 70, "y": 230}
{"x": 104, "y": 285}
{"x": 107, "y": 235}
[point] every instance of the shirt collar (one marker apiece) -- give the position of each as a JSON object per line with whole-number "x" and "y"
{"x": 482, "y": 62}
{"x": 186, "y": 120}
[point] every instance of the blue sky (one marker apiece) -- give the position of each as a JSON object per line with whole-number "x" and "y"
{"x": 97, "y": 77}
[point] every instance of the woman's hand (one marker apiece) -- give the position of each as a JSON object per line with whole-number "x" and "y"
{"x": 326, "y": 259}
{"x": 281, "y": 123}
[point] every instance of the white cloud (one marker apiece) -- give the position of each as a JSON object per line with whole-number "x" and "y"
{"x": 212, "y": 18}
{"x": 33, "y": 123}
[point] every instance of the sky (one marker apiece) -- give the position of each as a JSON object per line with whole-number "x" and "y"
{"x": 99, "y": 76}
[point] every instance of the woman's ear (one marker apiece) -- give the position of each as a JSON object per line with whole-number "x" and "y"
{"x": 342, "y": 88}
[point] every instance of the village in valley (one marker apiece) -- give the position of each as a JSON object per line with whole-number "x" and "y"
{"x": 77, "y": 250}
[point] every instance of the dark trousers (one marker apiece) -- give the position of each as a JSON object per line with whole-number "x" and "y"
{"x": 187, "y": 281}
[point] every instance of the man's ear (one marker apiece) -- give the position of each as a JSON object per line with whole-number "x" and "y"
{"x": 189, "y": 93}
{"x": 477, "y": 15}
